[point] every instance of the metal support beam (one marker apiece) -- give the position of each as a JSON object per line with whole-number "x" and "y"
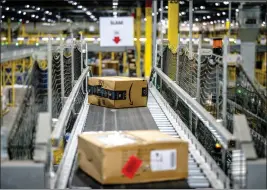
{"x": 199, "y": 68}
{"x": 173, "y": 25}
{"x": 112, "y": 56}
{"x": 62, "y": 69}
{"x": 190, "y": 28}
{"x": 72, "y": 59}
{"x": 161, "y": 34}
{"x": 100, "y": 64}
{"x": 9, "y": 30}
{"x": 230, "y": 18}
{"x": 148, "y": 45}
{"x": 138, "y": 42}
{"x": 124, "y": 61}
{"x": 49, "y": 73}
{"x": 154, "y": 32}
{"x": 225, "y": 68}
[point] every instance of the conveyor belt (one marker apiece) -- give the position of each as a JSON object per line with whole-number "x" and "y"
{"x": 151, "y": 117}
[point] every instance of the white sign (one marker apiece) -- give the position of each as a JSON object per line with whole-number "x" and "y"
{"x": 116, "y": 32}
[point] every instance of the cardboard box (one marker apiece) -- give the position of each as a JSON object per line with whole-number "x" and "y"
{"x": 117, "y": 92}
{"x": 112, "y": 157}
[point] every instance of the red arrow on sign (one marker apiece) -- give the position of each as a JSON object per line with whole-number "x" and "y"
{"x": 116, "y": 39}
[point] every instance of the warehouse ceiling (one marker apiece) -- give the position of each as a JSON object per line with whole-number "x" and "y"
{"x": 90, "y": 10}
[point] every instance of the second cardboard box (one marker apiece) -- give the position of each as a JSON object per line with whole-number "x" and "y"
{"x": 117, "y": 92}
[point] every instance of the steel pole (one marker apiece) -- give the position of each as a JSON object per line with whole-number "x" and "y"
{"x": 154, "y": 59}
{"x": 49, "y": 102}
{"x": 230, "y": 17}
{"x": 190, "y": 28}
{"x": 72, "y": 59}
{"x": 62, "y": 70}
{"x": 199, "y": 67}
{"x": 86, "y": 64}
{"x": 225, "y": 54}
{"x": 161, "y": 35}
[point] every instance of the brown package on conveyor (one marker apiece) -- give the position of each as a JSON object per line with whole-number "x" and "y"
{"x": 130, "y": 157}
{"x": 117, "y": 92}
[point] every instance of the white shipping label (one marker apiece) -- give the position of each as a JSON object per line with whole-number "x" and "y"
{"x": 161, "y": 160}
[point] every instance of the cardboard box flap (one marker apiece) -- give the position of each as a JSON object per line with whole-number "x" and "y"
{"x": 154, "y": 136}
{"x": 119, "y": 78}
{"x": 111, "y": 138}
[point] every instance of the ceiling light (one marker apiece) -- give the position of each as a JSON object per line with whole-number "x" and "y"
{"x": 144, "y": 19}
{"x": 50, "y": 13}
{"x": 237, "y": 10}
{"x": 33, "y": 16}
{"x": 217, "y": 4}
{"x": 181, "y": 2}
{"x": 218, "y": 14}
{"x": 43, "y": 19}
{"x": 204, "y": 23}
{"x": 115, "y": 13}
{"x": 12, "y": 18}
{"x": 38, "y": 8}
{"x": 3, "y": 1}
{"x": 91, "y": 16}
{"x": 84, "y": 9}
{"x": 115, "y": 3}
{"x": 152, "y": 14}
{"x": 215, "y": 22}
{"x": 19, "y": 12}
{"x": 223, "y": 21}
{"x": 20, "y": 20}
{"x": 204, "y": 17}
{"x": 160, "y": 9}
{"x": 7, "y": 8}
{"x": 3, "y": 16}
{"x": 24, "y": 13}
{"x": 196, "y": 19}
{"x": 183, "y": 13}
{"x": 208, "y": 17}
{"x": 74, "y": 3}
{"x": 46, "y": 12}
{"x": 114, "y": 7}
{"x": 27, "y": 6}
{"x": 27, "y": 21}
{"x": 33, "y": 7}
{"x": 226, "y": 2}
{"x": 80, "y": 7}
{"x": 223, "y": 13}
{"x": 166, "y": 7}
{"x": 211, "y": 22}
{"x": 202, "y": 7}
{"x": 88, "y": 13}
{"x": 37, "y": 17}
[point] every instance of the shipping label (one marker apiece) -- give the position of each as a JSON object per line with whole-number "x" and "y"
{"x": 163, "y": 160}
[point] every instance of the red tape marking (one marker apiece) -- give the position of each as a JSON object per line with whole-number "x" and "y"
{"x": 131, "y": 166}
